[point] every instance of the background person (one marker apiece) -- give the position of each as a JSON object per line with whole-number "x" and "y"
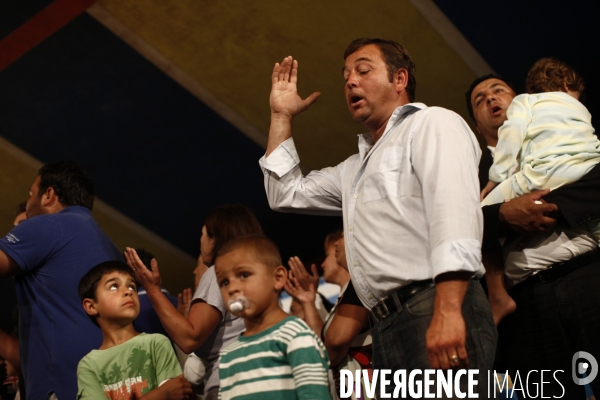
{"x": 48, "y": 253}
{"x": 128, "y": 364}
{"x": 280, "y": 354}
{"x": 209, "y": 325}
{"x": 561, "y": 303}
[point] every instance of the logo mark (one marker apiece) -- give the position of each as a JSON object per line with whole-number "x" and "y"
{"x": 584, "y": 368}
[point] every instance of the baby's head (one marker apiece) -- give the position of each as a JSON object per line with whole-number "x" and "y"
{"x": 554, "y": 75}
{"x": 109, "y": 293}
{"x": 249, "y": 271}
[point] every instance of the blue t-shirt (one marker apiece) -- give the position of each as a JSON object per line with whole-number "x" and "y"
{"x": 148, "y": 321}
{"x": 54, "y": 251}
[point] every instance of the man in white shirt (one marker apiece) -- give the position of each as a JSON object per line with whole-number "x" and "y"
{"x": 557, "y": 303}
{"x": 409, "y": 200}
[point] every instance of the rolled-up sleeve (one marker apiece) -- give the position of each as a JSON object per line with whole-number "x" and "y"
{"x": 319, "y": 193}
{"x": 450, "y": 191}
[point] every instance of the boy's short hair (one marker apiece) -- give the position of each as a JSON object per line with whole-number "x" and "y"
{"x": 265, "y": 250}
{"x": 89, "y": 283}
{"x": 551, "y": 75}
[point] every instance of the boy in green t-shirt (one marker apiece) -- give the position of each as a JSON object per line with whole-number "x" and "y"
{"x": 128, "y": 364}
{"x": 278, "y": 356}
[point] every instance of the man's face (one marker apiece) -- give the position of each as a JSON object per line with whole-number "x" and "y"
{"x": 490, "y": 100}
{"x": 370, "y": 95}
{"x": 33, "y": 206}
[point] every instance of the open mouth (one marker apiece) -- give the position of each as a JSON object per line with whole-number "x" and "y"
{"x": 496, "y": 110}
{"x": 354, "y": 99}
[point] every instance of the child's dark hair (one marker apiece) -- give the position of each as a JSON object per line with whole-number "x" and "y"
{"x": 552, "y": 75}
{"x": 89, "y": 283}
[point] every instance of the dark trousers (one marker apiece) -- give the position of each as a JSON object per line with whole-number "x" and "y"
{"x": 553, "y": 321}
{"x": 399, "y": 340}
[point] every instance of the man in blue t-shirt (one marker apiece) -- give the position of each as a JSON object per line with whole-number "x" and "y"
{"x": 48, "y": 253}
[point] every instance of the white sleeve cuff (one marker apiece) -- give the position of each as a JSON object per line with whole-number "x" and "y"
{"x": 282, "y": 160}
{"x": 458, "y": 255}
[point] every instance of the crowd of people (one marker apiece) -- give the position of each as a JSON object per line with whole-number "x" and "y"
{"x": 424, "y": 210}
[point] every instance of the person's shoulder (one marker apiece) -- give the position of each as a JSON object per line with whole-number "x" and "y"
{"x": 294, "y": 326}
{"x": 88, "y": 359}
{"x": 436, "y": 111}
{"x": 152, "y": 337}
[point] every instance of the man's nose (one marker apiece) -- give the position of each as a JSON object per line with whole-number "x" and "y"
{"x": 351, "y": 81}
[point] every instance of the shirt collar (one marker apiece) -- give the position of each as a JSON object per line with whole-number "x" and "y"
{"x": 365, "y": 140}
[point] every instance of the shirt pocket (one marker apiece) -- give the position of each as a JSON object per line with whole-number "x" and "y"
{"x": 383, "y": 181}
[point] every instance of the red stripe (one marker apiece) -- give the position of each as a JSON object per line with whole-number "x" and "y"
{"x": 39, "y": 27}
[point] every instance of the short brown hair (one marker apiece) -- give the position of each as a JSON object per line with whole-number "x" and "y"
{"x": 264, "y": 249}
{"x": 227, "y": 222}
{"x": 395, "y": 57}
{"x": 551, "y": 75}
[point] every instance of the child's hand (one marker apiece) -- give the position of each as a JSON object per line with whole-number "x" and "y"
{"x": 303, "y": 278}
{"x": 487, "y": 189}
{"x": 177, "y": 388}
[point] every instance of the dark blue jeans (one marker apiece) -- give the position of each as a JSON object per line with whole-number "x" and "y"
{"x": 399, "y": 340}
{"x": 552, "y": 322}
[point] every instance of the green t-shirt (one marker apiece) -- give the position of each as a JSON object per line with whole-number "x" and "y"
{"x": 284, "y": 362}
{"x": 130, "y": 369}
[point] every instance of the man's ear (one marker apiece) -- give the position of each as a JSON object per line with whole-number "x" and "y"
{"x": 279, "y": 277}
{"x": 49, "y": 197}
{"x": 89, "y": 305}
{"x": 401, "y": 79}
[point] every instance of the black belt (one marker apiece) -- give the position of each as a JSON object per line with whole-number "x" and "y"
{"x": 394, "y": 302}
{"x": 564, "y": 268}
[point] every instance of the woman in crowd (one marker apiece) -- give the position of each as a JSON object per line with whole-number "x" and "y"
{"x": 209, "y": 325}
{"x": 345, "y": 333}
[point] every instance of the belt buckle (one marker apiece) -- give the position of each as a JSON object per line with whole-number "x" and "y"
{"x": 381, "y": 311}
{"x": 541, "y": 274}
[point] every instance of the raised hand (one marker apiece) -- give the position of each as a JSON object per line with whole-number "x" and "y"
{"x": 293, "y": 288}
{"x": 184, "y": 299}
{"x": 284, "y": 100}
{"x": 305, "y": 280}
{"x": 148, "y": 278}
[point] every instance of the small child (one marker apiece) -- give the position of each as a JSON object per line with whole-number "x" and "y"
{"x": 128, "y": 364}
{"x": 278, "y": 356}
{"x": 549, "y": 139}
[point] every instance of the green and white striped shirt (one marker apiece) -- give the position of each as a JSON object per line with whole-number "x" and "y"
{"x": 286, "y": 361}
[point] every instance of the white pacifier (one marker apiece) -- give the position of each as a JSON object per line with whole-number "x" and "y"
{"x": 238, "y": 305}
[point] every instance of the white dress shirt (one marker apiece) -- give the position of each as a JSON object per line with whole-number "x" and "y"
{"x": 410, "y": 203}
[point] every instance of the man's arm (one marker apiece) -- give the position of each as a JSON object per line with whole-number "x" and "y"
{"x": 287, "y": 189}
{"x": 9, "y": 349}
{"x": 347, "y": 323}
{"x": 572, "y": 204}
{"x": 446, "y": 336}
{"x": 8, "y": 267}
{"x": 445, "y": 158}
{"x": 285, "y": 102}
